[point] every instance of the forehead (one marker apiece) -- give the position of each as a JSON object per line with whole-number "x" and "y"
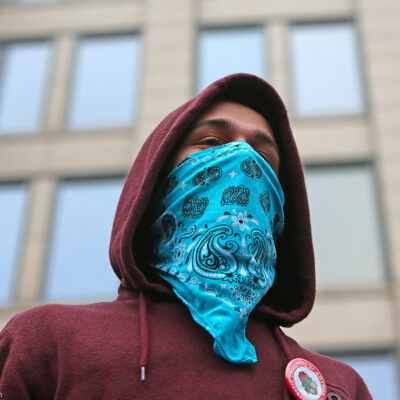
{"x": 239, "y": 114}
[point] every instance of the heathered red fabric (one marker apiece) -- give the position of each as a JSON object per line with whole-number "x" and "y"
{"x": 95, "y": 351}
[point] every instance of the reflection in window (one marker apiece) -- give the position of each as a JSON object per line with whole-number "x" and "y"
{"x": 12, "y": 216}
{"x": 78, "y": 265}
{"x": 380, "y": 373}
{"x": 24, "y": 68}
{"x": 326, "y": 70}
{"x": 345, "y": 226}
{"x": 225, "y": 51}
{"x": 104, "y": 91}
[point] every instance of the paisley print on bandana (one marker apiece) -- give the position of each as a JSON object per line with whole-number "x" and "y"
{"x": 213, "y": 256}
{"x": 214, "y": 243}
{"x": 235, "y": 195}
{"x": 169, "y": 226}
{"x": 251, "y": 168}
{"x": 265, "y": 202}
{"x": 171, "y": 184}
{"x": 194, "y": 206}
{"x": 206, "y": 176}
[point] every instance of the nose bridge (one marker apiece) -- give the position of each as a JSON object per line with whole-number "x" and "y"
{"x": 240, "y": 132}
{"x": 241, "y": 138}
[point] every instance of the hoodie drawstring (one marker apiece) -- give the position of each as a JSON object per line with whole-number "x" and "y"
{"x": 144, "y": 336}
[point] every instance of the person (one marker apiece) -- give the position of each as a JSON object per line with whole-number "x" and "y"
{"x": 212, "y": 244}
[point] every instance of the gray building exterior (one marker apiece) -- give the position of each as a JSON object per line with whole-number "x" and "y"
{"x": 350, "y": 146}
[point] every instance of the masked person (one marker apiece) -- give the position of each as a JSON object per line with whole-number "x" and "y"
{"x": 212, "y": 244}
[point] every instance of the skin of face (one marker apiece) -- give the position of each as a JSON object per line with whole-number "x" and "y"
{"x": 222, "y": 123}
{"x": 226, "y": 122}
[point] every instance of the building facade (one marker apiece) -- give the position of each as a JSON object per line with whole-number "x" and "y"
{"x": 83, "y": 83}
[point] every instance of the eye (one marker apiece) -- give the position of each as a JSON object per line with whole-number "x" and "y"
{"x": 211, "y": 142}
{"x": 265, "y": 157}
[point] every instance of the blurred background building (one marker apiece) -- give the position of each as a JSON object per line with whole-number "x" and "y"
{"x": 83, "y": 83}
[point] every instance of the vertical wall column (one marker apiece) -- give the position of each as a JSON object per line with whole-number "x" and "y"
{"x": 278, "y": 62}
{"x": 168, "y": 62}
{"x": 59, "y": 83}
{"x": 380, "y": 27}
{"x": 33, "y": 260}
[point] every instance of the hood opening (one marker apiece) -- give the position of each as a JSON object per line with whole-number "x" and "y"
{"x": 292, "y": 295}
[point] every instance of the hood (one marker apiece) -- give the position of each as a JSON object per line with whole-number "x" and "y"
{"x": 292, "y": 295}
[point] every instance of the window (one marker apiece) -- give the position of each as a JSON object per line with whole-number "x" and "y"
{"x": 12, "y": 217}
{"x": 24, "y": 69}
{"x": 78, "y": 265}
{"x": 326, "y": 70}
{"x": 379, "y": 372}
{"x": 105, "y": 87}
{"x": 226, "y": 51}
{"x": 345, "y": 225}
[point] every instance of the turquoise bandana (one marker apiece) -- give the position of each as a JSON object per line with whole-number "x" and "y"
{"x": 219, "y": 212}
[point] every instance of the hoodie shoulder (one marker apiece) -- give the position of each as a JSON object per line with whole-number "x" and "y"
{"x": 51, "y": 345}
{"x": 34, "y": 321}
{"x": 27, "y": 345}
{"x": 49, "y": 321}
{"x": 35, "y": 333}
{"x": 340, "y": 377}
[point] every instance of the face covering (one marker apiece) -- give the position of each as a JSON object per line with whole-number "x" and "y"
{"x": 218, "y": 214}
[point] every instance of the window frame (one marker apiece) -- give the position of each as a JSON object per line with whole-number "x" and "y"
{"x": 266, "y": 61}
{"x": 44, "y": 296}
{"x": 360, "y": 57}
{"x": 381, "y": 221}
{"x": 45, "y": 96}
{"x": 66, "y": 122}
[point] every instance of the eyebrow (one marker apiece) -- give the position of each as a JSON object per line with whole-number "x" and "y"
{"x": 224, "y": 124}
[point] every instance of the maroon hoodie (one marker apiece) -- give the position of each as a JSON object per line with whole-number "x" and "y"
{"x": 145, "y": 344}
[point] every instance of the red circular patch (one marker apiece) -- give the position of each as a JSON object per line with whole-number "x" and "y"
{"x": 304, "y": 380}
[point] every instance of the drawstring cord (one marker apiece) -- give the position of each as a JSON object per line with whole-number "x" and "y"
{"x": 144, "y": 336}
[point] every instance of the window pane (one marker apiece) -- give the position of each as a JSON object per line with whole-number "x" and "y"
{"x": 326, "y": 70}
{"x": 24, "y": 71}
{"x": 106, "y": 80}
{"x": 12, "y": 216}
{"x": 79, "y": 266}
{"x": 379, "y": 372}
{"x": 226, "y": 51}
{"x": 345, "y": 225}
